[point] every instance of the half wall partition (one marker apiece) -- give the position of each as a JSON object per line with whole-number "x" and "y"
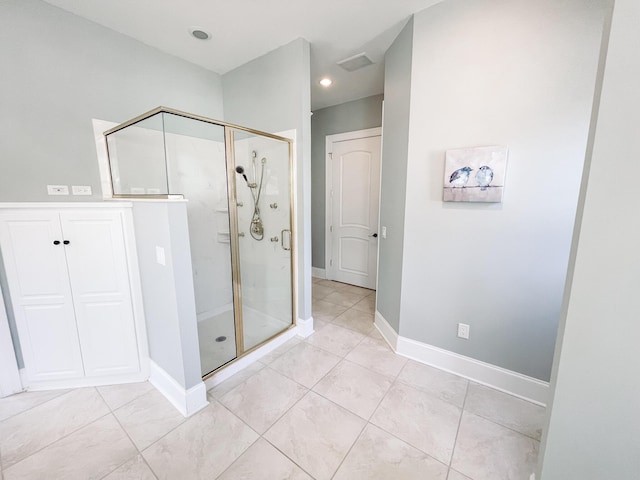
{"x": 238, "y": 183}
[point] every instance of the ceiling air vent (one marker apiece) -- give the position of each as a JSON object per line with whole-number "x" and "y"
{"x": 356, "y": 62}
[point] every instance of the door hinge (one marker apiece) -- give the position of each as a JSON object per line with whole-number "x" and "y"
{"x": 331, "y": 228}
{"x": 331, "y": 155}
{"x": 331, "y": 263}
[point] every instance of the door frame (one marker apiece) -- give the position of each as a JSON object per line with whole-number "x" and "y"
{"x": 328, "y": 212}
{"x": 10, "y": 382}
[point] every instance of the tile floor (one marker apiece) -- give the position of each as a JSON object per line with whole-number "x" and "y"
{"x": 339, "y": 405}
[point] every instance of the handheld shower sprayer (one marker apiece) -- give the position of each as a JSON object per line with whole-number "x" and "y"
{"x": 256, "y": 226}
{"x": 240, "y": 171}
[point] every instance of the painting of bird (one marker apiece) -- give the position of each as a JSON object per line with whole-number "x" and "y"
{"x": 460, "y": 177}
{"x": 484, "y": 177}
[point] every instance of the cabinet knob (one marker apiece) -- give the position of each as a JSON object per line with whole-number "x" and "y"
{"x": 66, "y": 242}
{"x": 56, "y": 242}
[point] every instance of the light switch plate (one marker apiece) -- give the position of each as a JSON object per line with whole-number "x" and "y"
{"x": 81, "y": 189}
{"x": 57, "y": 189}
{"x": 160, "y": 258}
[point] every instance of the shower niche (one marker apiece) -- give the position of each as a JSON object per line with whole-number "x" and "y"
{"x": 237, "y": 184}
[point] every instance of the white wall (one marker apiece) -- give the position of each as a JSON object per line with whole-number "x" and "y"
{"x": 594, "y": 421}
{"x": 197, "y": 169}
{"x": 272, "y": 94}
{"x": 60, "y": 71}
{"x": 497, "y": 72}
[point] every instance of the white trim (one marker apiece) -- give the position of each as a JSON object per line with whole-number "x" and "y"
{"x": 9, "y": 375}
{"x": 135, "y": 285}
{"x": 318, "y": 272}
{"x": 247, "y": 360}
{"x": 499, "y": 378}
{"x": 187, "y": 402}
{"x": 329, "y": 141}
{"x": 354, "y": 135}
{"x": 99, "y": 127}
{"x": 65, "y": 205}
{"x": 386, "y": 330}
{"x": 305, "y": 327}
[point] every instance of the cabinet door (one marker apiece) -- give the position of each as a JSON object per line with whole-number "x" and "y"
{"x": 40, "y": 294}
{"x": 97, "y": 262}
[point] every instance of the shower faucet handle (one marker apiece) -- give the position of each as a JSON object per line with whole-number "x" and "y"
{"x": 274, "y": 239}
{"x": 273, "y": 205}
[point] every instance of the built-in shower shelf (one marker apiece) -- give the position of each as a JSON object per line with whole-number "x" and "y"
{"x": 224, "y": 237}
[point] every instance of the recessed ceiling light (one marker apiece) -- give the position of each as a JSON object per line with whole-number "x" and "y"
{"x": 326, "y": 82}
{"x": 199, "y": 33}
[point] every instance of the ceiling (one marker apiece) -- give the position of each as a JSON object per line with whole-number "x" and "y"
{"x": 242, "y": 30}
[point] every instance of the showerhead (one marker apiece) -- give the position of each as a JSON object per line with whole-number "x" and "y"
{"x": 240, "y": 171}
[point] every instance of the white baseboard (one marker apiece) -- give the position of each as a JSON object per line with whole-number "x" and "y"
{"x": 187, "y": 402}
{"x": 386, "y": 330}
{"x": 499, "y": 378}
{"x": 244, "y": 362}
{"x": 305, "y": 327}
{"x": 318, "y": 272}
{"x": 82, "y": 382}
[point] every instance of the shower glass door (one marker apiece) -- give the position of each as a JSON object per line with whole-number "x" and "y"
{"x": 263, "y": 204}
{"x": 196, "y": 168}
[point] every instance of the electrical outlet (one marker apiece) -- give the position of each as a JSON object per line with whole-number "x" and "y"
{"x": 463, "y": 331}
{"x": 81, "y": 189}
{"x": 57, "y": 189}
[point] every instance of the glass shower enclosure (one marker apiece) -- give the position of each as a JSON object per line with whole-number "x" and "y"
{"x": 238, "y": 187}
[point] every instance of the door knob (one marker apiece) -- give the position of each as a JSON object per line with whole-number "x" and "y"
{"x": 374, "y": 235}
{"x": 66, "y": 242}
{"x": 56, "y": 242}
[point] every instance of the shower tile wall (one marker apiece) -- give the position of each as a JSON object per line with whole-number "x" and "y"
{"x": 196, "y": 169}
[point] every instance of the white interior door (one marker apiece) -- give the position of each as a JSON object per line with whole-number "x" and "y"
{"x": 34, "y": 259}
{"x": 98, "y": 273}
{"x": 355, "y": 192}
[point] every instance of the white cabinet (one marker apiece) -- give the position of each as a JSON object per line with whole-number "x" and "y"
{"x": 70, "y": 275}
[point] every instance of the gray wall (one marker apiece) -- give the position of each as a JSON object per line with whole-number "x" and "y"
{"x": 484, "y": 73}
{"x": 395, "y": 138}
{"x": 59, "y": 72}
{"x": 594, "y": 423}
{"x": 167, "y": 290}
{"x": 272, "y": 94}
{"x": 346, "y": 117}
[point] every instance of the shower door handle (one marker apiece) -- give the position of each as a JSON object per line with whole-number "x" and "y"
{"x": 282, "y": 239}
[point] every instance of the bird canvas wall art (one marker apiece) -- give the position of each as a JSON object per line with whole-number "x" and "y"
{"x": 475, "y": 174}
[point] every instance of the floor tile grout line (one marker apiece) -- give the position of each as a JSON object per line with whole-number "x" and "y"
{"x": 5, "y": 468}
{"x": 503, "y": 426}
{"x": 350, "y": 448}
{"x": 283, "y": 413}
{"x": 63, "y": 392}
{"x": 431, "y": 456}
{"x": 124, "y": 404}
{"x": 287, "y": 457}
{"x": 455, "y": 442}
